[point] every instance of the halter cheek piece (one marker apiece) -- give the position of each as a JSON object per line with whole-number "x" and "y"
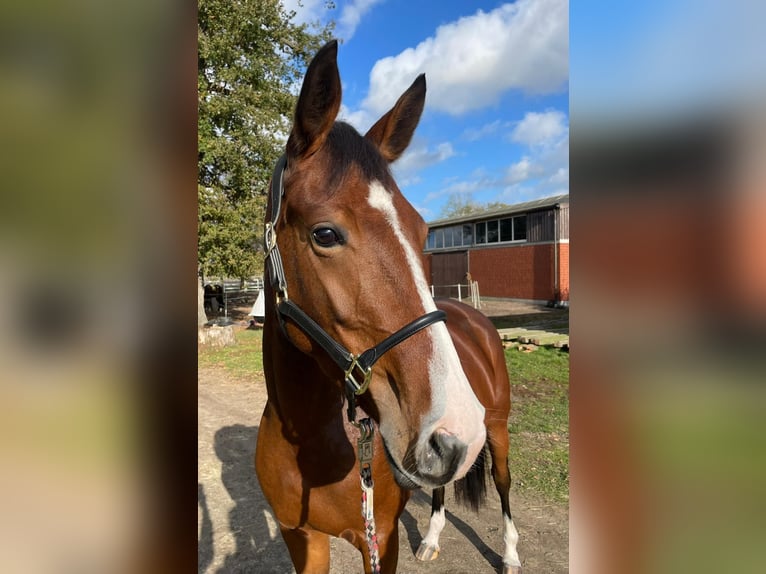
{"x": 357, "y": 369}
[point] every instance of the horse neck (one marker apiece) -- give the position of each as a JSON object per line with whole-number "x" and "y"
{"x": 301, "y": 392}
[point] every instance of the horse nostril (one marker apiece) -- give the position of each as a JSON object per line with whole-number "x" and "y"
{"x": 436, "y": 443}
{"x": 442, "y": 456}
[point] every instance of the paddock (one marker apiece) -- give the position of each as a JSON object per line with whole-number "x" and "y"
{"x": 237, "y": 532}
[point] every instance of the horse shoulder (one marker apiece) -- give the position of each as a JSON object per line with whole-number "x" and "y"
{"x": 481, "y": 353}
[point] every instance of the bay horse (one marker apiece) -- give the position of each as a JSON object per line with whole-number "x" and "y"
{"x": 346, "y": 272}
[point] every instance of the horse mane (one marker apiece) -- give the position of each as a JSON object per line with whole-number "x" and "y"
{"x": 347, "y": 148}
{"x": 471, "y": 490}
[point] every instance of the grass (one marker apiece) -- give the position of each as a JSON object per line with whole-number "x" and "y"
{"x": 539, "y": 422}
{"x": 244, "y": 359}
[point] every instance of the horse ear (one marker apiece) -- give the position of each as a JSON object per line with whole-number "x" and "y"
{"x": 392, "y": 133}
{"x": 318, "y": 103}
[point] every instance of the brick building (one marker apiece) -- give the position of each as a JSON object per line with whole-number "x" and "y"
{"x": 519, "y": 251}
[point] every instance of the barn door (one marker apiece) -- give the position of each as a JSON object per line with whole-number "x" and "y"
{"x": 447, "y": 271}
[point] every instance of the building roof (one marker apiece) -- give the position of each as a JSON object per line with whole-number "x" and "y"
{"x": 502, "y": 211}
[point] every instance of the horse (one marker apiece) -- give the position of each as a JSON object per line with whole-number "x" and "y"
{"x": 345, "y": 271}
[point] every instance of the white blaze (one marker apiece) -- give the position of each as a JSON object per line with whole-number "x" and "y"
{"x": 382, "y": 200}
{"x": 463, "y": 415}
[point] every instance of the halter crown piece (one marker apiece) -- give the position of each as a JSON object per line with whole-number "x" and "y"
{"x": 357, "y": 369}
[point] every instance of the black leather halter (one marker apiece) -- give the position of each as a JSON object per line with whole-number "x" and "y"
{"x": 352, "y": 365}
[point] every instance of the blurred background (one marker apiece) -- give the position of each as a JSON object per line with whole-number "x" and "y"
{"x": 98, "y": 274}
{"x": 97, "y": 286}
{"x": 668, "y": 176}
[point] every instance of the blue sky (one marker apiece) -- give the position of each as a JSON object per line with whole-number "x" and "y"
{"x": 659, "y": 60}
{"x": 496, "y": 122}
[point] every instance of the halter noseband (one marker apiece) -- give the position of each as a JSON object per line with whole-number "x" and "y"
{"x": 351, "y": 365}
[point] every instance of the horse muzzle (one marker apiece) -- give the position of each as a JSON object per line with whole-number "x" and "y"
{"x": 439, "y": 458}
{"x": 435, "y": 461}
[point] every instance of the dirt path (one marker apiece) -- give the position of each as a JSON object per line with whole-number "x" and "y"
{"x": 237, "y": 532}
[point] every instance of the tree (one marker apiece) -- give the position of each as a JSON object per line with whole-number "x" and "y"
{"x": 251, "y": 58}
{"x": 459, "y": 205}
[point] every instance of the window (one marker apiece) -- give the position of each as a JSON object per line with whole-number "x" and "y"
{"x": 492, "y": 231}
{"x": 481, "y": 232}
{"x": 454, "y": 236}
{"x": 506, "y": 229}
{"x": 520, "y": 227}
{"x": 457, "y": 233}
{"x": 468, "y": 234}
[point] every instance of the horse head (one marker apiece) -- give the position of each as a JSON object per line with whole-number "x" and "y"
{"x": 351, "y": 251}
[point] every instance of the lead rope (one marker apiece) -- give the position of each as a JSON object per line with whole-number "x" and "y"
{"x": 365, "y": 471}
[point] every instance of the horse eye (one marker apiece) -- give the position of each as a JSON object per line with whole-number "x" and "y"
{"x": 326, "y": 237}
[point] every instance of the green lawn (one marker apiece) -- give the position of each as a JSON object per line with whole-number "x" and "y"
{"x": 244, "y": 359}
{"x": 539, "y": 423}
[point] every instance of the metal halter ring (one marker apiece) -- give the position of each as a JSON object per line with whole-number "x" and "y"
{"x": 359, "y": 389}
{"x": 269, "y": 238}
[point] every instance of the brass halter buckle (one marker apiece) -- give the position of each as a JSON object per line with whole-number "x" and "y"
{"x": 359, "y": 388}
{"x": 354, "y": 388}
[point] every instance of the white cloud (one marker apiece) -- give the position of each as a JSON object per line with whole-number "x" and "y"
{"x": 424, "y": 212}
{"x": 351, "y": 15}
{"x": 361, "y": 119}
{"x": 469, "y": 63}
{"x": 419, "y": 156}
{"x": 547, "y": 163}
{"x": 561, "y": 176}
{"x": 522, "y": 170}
{"x": 474, "y": 134}
{"x": 469, "y": 188}
{"x": 409, "y": 181}
{"x": 461, "y": 187}
{"x": 306, "y": 11}
{"x": 540, "y": 128}
{"x": 517, "y": 193}
{"x": 542, "y": 170}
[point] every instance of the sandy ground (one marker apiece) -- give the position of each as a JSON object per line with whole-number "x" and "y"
{"x": 237, "y": 532}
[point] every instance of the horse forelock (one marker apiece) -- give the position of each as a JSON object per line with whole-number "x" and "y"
{"x": 350, "y": 153}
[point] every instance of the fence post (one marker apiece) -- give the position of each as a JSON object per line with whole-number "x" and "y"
{"x": 475, "y": 298}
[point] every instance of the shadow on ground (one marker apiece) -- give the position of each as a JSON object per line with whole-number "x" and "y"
{"x": 257, "y": 545}
{"x": 256, "y": 538}
{"x": 555, "y": 320}
{"x": 414, "y": 537}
